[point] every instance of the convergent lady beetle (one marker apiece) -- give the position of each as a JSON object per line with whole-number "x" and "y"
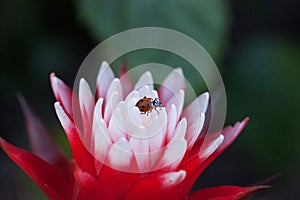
{"x": 146, "y": 105}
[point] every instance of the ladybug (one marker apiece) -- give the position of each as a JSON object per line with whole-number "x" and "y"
{"x": 146, "y": 105}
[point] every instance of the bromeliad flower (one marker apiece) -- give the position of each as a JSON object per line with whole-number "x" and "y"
{"x": 119, "y": 153}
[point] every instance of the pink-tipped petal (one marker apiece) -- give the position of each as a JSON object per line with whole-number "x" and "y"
{"x": 145, "y": 79}
{"x": 196, "y": 165}
{"x": 225, "y": 192}
{"x": 82, "y": 156}
{"x": 102, "y": 140}
{"x": 208, "y": 148}
{"x": 202, "y": 145}
{"x": 87, "y": 105}
{"x": 162, "y": 186}
{"x": 41, "y": 143}
{"x": 62, "y": 93}
{"x": 230, "y": 133}
{"x": 199, "y": 105}
{"x": 99, "y": 143}
{"x": 48, "y": 178}
{"x": 125, "y": 79}
{"x": 194, "y": 130}
{"x": 113, "y": 97}
{"x": 177, "y": 100}
{"x": 195, "y": 115}
{"x": 174, "y": 82}
{"x": 104, "y": 79}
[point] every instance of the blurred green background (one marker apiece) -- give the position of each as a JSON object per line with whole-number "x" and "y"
{"x": 255, "y": 44}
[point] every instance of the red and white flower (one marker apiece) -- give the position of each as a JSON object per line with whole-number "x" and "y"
{"x": 119, "y": 153}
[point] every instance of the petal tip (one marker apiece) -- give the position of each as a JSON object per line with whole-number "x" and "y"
{"x": 54, "y": 80}
{"x": 246, "y": 120}
{"x": 179, "y": 70}
{"x": 52, "y": 75}
{"x": 174, "y": 178}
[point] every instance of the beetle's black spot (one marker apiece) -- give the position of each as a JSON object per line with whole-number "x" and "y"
{"x": 143, "y": 106}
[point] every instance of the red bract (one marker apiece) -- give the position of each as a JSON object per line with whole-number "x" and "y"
{"x": 119, "y": 153}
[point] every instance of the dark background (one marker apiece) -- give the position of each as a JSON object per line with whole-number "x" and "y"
{"x": 254, "y": 43}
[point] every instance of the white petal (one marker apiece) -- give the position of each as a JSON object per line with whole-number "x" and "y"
{"x": 173, "y": 154}
{"x": 113, "y": 97}
{"x": 116, "y": 126}
{"x": 139, "y": 141}
{"x": 111, "y": 104}
{"x": 198, "y": 106}
{"x": 140, "y": 146}
{"x": 132, "y": 119}
{"x": 129, "y": 108}
{"x": 203, "y": 102}
{"x": 62, "y": 93}
{"x": 132, "y": 95}
{"x": 154, "y": 94}
{"x": 115, "y": 86}
{"x": 145, "y": 79}
{"x": 145, "y": 92}
{"x": 156, "y": 132}
{"x": 97, "y": 116}
{"x": 174, "y": 82}
{"x": 121, "y": 157}
{"x": 156, "y": 126}
{"x": 207, "y": 149}
{"x": 180, "y": 130}
{"x": 194, "y": 113}
{"x": 131, "y": 114}
{"x": 194, "y": 130}
{"x": 102, "y": 142}
{"x": 98, "y": 109}
{"x": 65, "y": 121}
{"x": 87, "y": 104}
{"x": 155, "y": 159}
{"x": 172, "y": 116}
{"x": 178, "y": 101}
{"x": 156, "y": 142}
{"x": 104, "y": 79}
{"x": 126, "y": 119}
